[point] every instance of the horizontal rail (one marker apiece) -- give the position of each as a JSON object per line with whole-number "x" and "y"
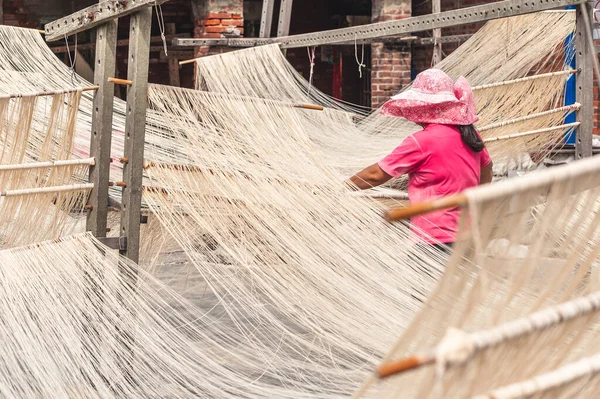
{"x": 120, "y": 43}
{"x": 525, "y": 79}
{"x": 469, "y": 15}
{"x": 573, "y": 107}
{"x": 532, "y": 132}
{"x": 94, "y": 15}
{"x": 252, "y": 42}
{"x": 47, "y": 164}
{"x": 47, "y": 93}
{"x": 50, "y": 189}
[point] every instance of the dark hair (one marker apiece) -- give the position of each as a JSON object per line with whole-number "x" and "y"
{"x": 471, "y": 138}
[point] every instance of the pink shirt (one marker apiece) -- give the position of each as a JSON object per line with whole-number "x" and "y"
{"x": 438, "y": 163}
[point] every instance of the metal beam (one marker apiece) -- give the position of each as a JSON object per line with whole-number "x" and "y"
{"x": 486, "y": 12}
{"x": 436, "y": 8}
{"x": 102, "y": 117}
{"x": 120, "y": 43}
{"x": 94, "y": 15}
{"x": 584, "y": 84}
{"x": 266, "y": 19}
{"x": 285, "y": 16}
{"x": 252, "y": 42}
{"x": 135, "y": 129}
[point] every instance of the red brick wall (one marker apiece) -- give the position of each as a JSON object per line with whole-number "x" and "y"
{"x": 390, "y": 62}
{"x": 215, "y": 19}
{"x": 16, "y": 13}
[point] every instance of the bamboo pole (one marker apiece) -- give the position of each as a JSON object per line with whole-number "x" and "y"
{"x": 118, "y": 81}
{"x": 484, "y": 339}
{"x": 187, "y": 61}
{"x": 403, "y": 365}
{"x": 309, "y": 106}
{"x": 48, "y": 164}
{"x": 531, "y": 132}
{"x": 451, "y": 201}
{"x": 50, "y": 189}
{"x": 47, "y": 93}
{"x": 571, "y": 107}
{"x": 525, "y": 79}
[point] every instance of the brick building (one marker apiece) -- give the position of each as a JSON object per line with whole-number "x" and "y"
{"x": 390, "y": 64}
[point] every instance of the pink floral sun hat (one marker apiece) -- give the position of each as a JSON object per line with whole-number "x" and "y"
{"x": 435, "y": 98}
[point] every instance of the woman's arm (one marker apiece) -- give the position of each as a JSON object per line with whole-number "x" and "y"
{"x": 369, "y": 177}
{"x": 486, "y": 173}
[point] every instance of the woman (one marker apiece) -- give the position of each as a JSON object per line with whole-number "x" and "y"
{"x": 446, "y": 157}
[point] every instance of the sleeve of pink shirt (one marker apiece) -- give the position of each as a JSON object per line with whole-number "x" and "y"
{"x": 484, "y": 158}
{"x": 404, "y": 159}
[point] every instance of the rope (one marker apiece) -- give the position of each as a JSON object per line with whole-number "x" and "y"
{"x": 161, "y": 24}
{"x": 360, "y": 62}
{"x": 72, "y": 61}
{"x": 311, "y": 59}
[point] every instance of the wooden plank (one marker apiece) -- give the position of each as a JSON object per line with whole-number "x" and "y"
{"x": 436, "y": 8}
{"x": 135, "y": 129}
{"x": 266, "y": 19}
{"x": 176, "y": 55}
{"x": 285, "y": 16}
{"x": 173, "y": 62}
{"x": 93, "y": 16}
{"x": 584, "y": 85}
{"x": 102, "y": 117}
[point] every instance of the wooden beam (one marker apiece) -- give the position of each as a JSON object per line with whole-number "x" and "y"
{"x": 173, "y": 62}
{"x": 266, "y": 19}
{"x": 102, "y": 117}
{"x": 135, "y": 129}
{"x": 436, "y": 8}
{"x": 285, "y": 16}
{"x": 584, "y": 84}
{"x": 93, "y": 16}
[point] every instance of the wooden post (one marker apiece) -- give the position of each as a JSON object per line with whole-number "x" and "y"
{"x": 102, "y": 117}
{"x": 135, "y": 129}
{"x": 173, "y": 62}
{"x": 585, "y": 83}
{"x": 285, "y": 15}
{"x": 436, "y": 7}
{"x": 266, "y": 19}
{"x": 1, "y": 12}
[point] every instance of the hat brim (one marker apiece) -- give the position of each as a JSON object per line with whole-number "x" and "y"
{"x": 418, "y": 111}
{"x": 410, "y": 95}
